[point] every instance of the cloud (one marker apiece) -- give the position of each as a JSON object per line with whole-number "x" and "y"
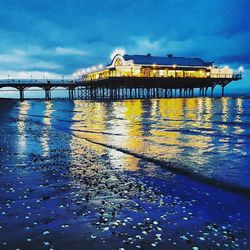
{"x": 25, "y": 60}
{"x": 220, "y": 49}
{"x": 69, "y": 51}
{"x": 145, "y": 45}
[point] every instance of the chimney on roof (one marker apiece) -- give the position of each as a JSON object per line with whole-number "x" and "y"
{"x": 169, "y": 55}
{"x": 148, "y": 54}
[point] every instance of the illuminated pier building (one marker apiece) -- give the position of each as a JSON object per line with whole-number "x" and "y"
{"x": 154, "y": 76}
{"x": 154, "y": 66}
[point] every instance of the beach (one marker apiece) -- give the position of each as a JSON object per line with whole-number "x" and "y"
{"x": 124, "y": 175}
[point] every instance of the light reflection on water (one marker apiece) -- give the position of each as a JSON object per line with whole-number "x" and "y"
{"x": 23, "y": 111}
{"x": 45, "y": 139}
{"x": 209, "y": 136}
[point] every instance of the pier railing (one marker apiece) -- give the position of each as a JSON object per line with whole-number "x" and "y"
{"x": 34, "y": 81}
{"x": 235, "y": 76}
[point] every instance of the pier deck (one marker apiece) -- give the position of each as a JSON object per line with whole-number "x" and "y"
{"x": 123, "y": 87}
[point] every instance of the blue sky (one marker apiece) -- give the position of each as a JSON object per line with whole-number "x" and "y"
{"x": 57, "y": 38}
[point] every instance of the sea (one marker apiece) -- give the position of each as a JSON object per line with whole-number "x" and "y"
{"x": 206, "y": 138}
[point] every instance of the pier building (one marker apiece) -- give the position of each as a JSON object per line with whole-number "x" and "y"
{"x": 155, "y": 67}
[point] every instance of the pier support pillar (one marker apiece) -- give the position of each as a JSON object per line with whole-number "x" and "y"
{"x": 21, "y": 92}
{"x": 47, "y": 94}
{"x": 180, "y": 95}
{"x": 71, "y": 94}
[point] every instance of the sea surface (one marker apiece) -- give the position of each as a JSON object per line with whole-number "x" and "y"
{"x": 203, "y": 137}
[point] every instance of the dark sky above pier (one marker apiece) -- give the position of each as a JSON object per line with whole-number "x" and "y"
{"x": 59, "y": 37}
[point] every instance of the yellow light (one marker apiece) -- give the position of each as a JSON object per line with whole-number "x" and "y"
{"x": 154, "y": 65}
{"x": 174, "y": 66}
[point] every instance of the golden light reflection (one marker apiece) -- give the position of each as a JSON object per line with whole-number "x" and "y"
{"x": 191, "y": 107}
{"x": 172, "y": 111}
{"x": 48, "y": 112}
{"x": 171, "y": 129}
{"x": 133, "y": 115}
{"x": 199, "y": 112}
{"x": 117, "y": 128}
{"x": 208, "y": 112}
{"x": 224, "y": 127}
{"x": 224, "y": 116}
{"x": 88, "y": 117}
{"x": 23, "y": 111}
{"x": 239, "y": 146}
{"x": 45, "y": 139}
{"x": 154, "y": 107}
{"x": 239, "y": 110}
{"x": 202, "y": 141}
{"x": 204, "y": 113}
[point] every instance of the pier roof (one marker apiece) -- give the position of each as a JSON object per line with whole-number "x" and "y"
{"x": 167, "y": 60}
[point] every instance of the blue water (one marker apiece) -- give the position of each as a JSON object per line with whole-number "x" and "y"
{"x": 204, "y": 137}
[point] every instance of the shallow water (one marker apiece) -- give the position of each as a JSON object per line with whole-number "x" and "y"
{"x": 204, "y": 136}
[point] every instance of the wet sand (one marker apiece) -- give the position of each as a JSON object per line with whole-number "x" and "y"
{"x": 65, "y": 194}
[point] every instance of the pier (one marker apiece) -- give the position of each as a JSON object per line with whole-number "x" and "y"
{"x": 124, "y": 87}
